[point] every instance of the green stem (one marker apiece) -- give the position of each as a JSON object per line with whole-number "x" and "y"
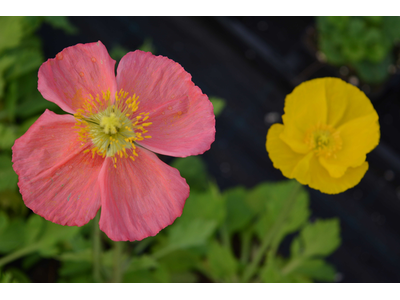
{"x": 269, "y": 237}
{"x": 245, "y": 247}
{"x": 17, "y": 254}
{"x": 293, "y": 264}
{"x": 225, "y": 236}
{"x": 96, "y": 249}
{"x": 117, "y": 272}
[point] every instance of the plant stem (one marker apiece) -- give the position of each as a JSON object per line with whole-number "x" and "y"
{"x": 293, "y": 264}
{"x": 271, "y": 234}
{"x": 117, "y": 272}
{"x": 17, "y": 254}
{"x": 245, "y": 247}
{"x": 96, "y": 249}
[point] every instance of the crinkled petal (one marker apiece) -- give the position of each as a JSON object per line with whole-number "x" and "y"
{"x": 141, "y": 197}
{"x": 292, "y": 164}
{"x": 321, "y": 180}
{"x": 359, "y": 137}
{"x": 75, "y": 73}
{"x": 56, "y": 179}
{"x": 305, "y": 107}
{"x": 345, "y": 102}
{"x": 183, "y": 121}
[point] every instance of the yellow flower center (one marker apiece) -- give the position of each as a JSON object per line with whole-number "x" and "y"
{"x": 324, "y": 140}
{"x": 112, "y": 128}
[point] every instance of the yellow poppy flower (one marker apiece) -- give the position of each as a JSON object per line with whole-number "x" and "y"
{"x": 328, "y": 128}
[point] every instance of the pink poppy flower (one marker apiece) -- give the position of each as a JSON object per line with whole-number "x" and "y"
{"x": 70, "y": 165}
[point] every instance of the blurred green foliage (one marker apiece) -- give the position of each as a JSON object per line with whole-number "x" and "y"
{"x": 363, "y": 43}
{"x": 214, "y": 240}
{"x": 21, "y": 104}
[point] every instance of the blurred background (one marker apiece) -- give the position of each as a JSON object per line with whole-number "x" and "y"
{"x": 247, "y": 65}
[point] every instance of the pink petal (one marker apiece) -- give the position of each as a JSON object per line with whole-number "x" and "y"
{"x": 56, "y": 179}
{"x": 141, "y": 197}
{"x": 76, "y": 72}
{"x": 183, "y": 121}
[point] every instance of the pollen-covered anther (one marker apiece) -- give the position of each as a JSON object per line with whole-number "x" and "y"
{"x": 114, "y": 128}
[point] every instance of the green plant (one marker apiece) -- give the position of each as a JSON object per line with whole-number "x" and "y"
{"x": 363, "y": 43}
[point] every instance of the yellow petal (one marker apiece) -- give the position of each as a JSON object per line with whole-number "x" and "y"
{"x": 337, "y": 99}
{"x": 345, "y": 102}
{"x": 321, "y": 180}
{"x": 305, "y": 107}
{"x": 359, "y": 137}
{"x": 284, "y": 158}
{"x": 333, "y": 169}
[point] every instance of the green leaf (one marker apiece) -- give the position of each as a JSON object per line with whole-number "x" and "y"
{"x": 194, "y": 170}
{"x": 17, "y": 275}
{"x": 222, "y": 263}
{"x": 373, "y": 73}
{"x": 34, "y": 227}
{"x": 180, "y": 261}
{"x": 52, "y": 235}
{"x": 274, "y": 203}
{"x": 143, "y": 262}
{"x": 8, "y": 178}
{"x": 7, "y": 136}
{"x": 4, "y": 221}
{"x": 205, "y": 206}
{"x": 13, "y": 236}
{"x": 7, "y": 277}
{"x": 317, "y": 269}
{"x": 11, "y": 32}
{"x": 320, "y": 238}
{"x": 6, "y": 61}
{"x": 12, "y": 203}
{"x": 26, "y": 59}
{"x": 61, "y": 22}
{"x": 272, "y": 272}
{"x": 157, "y": 275}
{"x": 190, "y": 234}
{"x": 218, "y": 104}
{"x": 239, "y": 215}
{"x": 148, "y": 46}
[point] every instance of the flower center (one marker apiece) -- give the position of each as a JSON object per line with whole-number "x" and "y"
{"x": 112, "y": 128}
{"x": 110, "y": 124}
{"x": 324, "y": 140}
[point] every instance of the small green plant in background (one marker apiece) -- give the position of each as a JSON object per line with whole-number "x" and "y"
{"x": 365, "y": 44}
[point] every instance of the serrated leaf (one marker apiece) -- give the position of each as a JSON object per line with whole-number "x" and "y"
{"x": 320, "y": 238}
{"x": 317, "y": 269}
{"x": 275, "y": 202}
{"x": 221, "y": 262}
{"x": 238, "y": 215}
{"x": 218, "y": 104}
{"x": 194, "y": 170}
